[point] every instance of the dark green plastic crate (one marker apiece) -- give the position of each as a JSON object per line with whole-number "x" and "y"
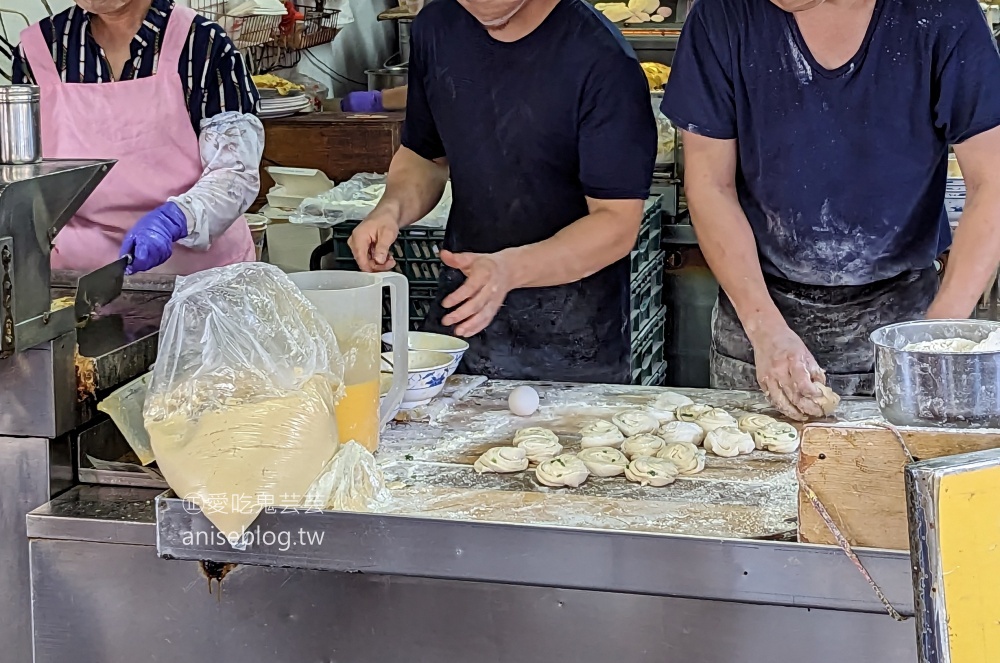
{"x": 659, "y": 376}
{"x": 421, "y": 299}
{"x": 648, "y": 245}
{"x": 646, "y": 294}
{"x": 417, "y": 253}
{"x": 648, "y": 350}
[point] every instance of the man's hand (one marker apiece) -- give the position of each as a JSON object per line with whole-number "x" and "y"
{"x": 487, "y": 282}
{"x": 786, "y": 371}
{"x": 372, "y": 240}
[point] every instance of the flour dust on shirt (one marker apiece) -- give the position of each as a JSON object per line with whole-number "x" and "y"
{"x": 841, "y": 172}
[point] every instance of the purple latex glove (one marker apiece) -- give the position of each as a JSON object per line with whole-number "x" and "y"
{"x": 151, "y": 240}
{"x": 362, "y": 102}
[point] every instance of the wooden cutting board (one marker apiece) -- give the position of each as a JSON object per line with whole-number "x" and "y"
{"x": 857, "y": 473}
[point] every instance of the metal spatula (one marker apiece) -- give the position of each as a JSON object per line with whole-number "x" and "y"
{"x": 100, "y": 287}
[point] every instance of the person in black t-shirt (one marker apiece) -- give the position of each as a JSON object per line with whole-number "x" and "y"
{"x": 540, "y": 113}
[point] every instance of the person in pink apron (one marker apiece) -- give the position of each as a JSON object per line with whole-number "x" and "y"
{"x": 165, "y": 93}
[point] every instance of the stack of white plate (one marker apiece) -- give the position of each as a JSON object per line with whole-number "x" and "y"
{"x": 954, "y": 197}
{"x": 273, "y": 105}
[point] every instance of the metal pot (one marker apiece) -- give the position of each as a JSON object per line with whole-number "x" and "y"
{"x": 954, "y": 390}
{"x": 404, "y": 38}
{"x": 387, "y": 78}
{"x": 20, "y": 125}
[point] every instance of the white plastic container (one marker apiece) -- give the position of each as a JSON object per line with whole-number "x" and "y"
{"x": 293, "y": 185}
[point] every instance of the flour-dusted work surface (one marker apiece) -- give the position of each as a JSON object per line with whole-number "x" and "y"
{"x": 428, "y": 462}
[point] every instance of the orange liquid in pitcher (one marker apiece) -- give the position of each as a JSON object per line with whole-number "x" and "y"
{"x": 357, "y": 415}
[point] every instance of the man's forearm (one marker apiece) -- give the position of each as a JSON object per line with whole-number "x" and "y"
{"x": 727, "y": 242}
{"x": 394, "y": 98}
{"x": 974, "y": 256}
{"x": 413, "y": 187}
{"x": 581, "y": 249}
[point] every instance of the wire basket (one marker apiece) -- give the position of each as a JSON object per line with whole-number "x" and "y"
{"x": 244, "y": 31}
{"x": 318, "y": 27}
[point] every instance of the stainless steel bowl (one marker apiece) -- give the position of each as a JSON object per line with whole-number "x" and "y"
{"x": 387, "y": 78}
{"x": 955, "y": 390}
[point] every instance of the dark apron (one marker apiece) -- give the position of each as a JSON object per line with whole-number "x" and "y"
{"x": 571, "y": 333}
{"x": 834, "y": 323}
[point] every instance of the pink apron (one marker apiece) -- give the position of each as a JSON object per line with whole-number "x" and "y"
{"x": 145, "y": 125}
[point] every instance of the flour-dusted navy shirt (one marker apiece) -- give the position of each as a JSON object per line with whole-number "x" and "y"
{"x": 530, "y": 130}
{"x": 841, "y": 173}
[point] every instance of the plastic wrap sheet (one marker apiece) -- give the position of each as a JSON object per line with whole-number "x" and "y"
{"x": 316, "y": 91}
{"x": 352, "y": 481}
{"x": 125, "y": 406}
{"x": 355, "y": 199}
{"x": 240, "y": 408}
{"x": 666, "y": 134}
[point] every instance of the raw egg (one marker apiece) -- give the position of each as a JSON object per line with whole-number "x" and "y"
{"x": 523, "y": 401}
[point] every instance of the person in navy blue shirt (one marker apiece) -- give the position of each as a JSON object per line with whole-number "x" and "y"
{"x": 816, "y": 142}
{"x": 541, "y": 114}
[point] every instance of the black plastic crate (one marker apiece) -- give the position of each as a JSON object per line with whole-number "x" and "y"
{"x": 659, "y": 376}
{"x": 421, "y": 299}
{"x": 416, "y": 250}
{"x": 646, "y": 294}
{"x": 648, "y": 349}
{"x": 647, "y": 246}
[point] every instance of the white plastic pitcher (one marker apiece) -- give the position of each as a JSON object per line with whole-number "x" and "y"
{"x": 352, "y": 304}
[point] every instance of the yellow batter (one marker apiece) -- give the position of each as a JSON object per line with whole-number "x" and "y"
{"x": 357, "y": 415}
{"x": 236, "y": 460}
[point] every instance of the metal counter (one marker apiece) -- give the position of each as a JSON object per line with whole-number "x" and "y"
{"x": 123, "y": 567}
{"x": 381, "y": 588}
{"x": 44, "y": 411}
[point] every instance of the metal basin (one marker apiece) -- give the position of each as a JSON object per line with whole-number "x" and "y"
{"x": 955, "y": 390}
{"x": 387, "y": 77}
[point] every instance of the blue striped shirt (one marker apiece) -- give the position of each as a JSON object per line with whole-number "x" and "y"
{"x": 212, "y": 71}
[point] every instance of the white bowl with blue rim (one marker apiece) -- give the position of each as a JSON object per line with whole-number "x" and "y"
{"x": 450, "y": 345}
{"x": 428, "y": 372}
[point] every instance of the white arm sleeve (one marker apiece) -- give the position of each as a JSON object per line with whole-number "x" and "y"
{"x": 231, "y": 145}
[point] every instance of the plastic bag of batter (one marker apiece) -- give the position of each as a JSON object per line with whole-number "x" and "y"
{"x": 240, "y": 408}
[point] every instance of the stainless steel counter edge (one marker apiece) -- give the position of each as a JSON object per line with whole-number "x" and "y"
{"x": 100, "y": 514}
{"x": 622, "y": 562}
{"x": 45, "y": 526}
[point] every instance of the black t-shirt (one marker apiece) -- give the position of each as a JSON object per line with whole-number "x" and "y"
{"x": 530, "y": 129}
